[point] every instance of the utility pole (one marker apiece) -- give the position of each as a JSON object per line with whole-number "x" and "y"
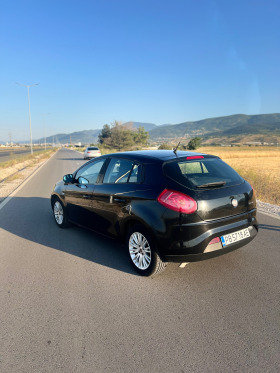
{"x": 44, "y": 123}
{"x": 30, "y": 128}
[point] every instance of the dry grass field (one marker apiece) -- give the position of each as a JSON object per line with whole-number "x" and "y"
{"x": 260, "y": 166}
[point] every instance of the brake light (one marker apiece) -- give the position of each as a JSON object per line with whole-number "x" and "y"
{"x": 177, "y": 201}
{"x": 195, "y": 157}
{"x": 215, "y": 240}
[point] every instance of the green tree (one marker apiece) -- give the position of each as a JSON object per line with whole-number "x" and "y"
{"x": 194, "y": 143}
{"x": 104, "y": 134}
{"x": 140, "y": 136}
{"x": 121, "y": 137}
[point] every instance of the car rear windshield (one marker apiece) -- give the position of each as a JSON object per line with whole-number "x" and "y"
{"x": 202, "y": 174}
{"x": 93, "y": 148}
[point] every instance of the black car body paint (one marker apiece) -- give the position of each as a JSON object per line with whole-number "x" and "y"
{"x": 112, "y": 208}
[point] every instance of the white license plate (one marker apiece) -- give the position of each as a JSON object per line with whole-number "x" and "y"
{"x": 235, "y": 236}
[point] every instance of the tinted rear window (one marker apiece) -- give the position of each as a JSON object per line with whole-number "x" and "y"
{"x": 194, "y": 174}
{"x": 92, "y": 148}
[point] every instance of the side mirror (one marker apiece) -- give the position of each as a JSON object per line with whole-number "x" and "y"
{"x": 68, "y": 178}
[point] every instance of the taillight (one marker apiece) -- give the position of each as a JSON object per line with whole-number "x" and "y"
{"x": 177, "y": 201}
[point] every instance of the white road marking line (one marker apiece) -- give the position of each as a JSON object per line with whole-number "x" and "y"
{"x": 183, "y": 265}
{"x": 6, "y": 200}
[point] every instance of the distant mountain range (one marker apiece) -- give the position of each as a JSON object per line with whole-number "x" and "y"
{"x": 84, "y": 137}
{"x": 89, "y": 136}
{"x": 233, "y": 125}
{"x": 238, "y": 127}
{"x": 147, "y": 126}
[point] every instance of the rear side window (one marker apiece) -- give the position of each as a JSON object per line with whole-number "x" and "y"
{"x": 122, "y": 171}
{"x": 205, "y": 173}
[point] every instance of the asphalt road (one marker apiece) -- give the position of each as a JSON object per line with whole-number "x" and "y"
{"x": 70, "y": 302}
{"x": 9, "y": 154}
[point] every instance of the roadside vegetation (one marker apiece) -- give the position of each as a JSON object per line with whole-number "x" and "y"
{"x": 15, "y": 168}
{"x": 260, "y": 166}
{"x": 120, "y": 137}
{"x": 193, "y": 144}
{"x": 38, "y": 155}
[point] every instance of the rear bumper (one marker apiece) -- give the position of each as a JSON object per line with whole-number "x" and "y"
{"x": 190, "y": 241}
{"x": 208, "y": 255}
{"x": 92, "y": 155}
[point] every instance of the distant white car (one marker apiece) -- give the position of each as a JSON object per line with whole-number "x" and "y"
{"x": 92, "y": 152}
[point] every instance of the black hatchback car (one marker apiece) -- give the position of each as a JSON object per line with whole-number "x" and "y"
{"x": 166, "y": 206}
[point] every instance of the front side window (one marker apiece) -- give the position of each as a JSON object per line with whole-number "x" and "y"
{"x": 89, "y": 173}
{"x": 121, "y": 171}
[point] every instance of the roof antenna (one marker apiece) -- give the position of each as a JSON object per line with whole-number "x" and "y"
{"x": 175, "y": 149}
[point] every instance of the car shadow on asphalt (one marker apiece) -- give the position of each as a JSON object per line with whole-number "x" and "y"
{"x": 31, "y": 218}
{"x": 269, "y": 227}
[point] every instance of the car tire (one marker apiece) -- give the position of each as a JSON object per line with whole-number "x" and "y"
{"x": 142, "y": 252}
{"x": 59, "y": 214}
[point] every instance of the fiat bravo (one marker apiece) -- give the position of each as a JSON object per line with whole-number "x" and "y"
{"x": 165, "y": 206}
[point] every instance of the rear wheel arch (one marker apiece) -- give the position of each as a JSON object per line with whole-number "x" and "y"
{"x": 128, "y": 225}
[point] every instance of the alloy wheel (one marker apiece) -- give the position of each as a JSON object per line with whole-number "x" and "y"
{"x": 140, "y": 250}
{"x": 58, "y": 212}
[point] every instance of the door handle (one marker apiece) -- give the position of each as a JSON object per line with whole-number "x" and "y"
{"x": 119, "y": 200}
{"x": 86, "y": 196}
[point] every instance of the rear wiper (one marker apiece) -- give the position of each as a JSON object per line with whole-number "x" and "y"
{"x": 209, "y": 185}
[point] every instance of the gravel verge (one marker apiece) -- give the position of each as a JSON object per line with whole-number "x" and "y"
{"x": 268, "y": 209}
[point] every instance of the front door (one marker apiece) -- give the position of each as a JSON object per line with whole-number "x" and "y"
{"x": 78, "y": 196}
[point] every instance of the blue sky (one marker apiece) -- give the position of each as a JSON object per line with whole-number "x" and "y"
{"x": 153, "y": 61}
